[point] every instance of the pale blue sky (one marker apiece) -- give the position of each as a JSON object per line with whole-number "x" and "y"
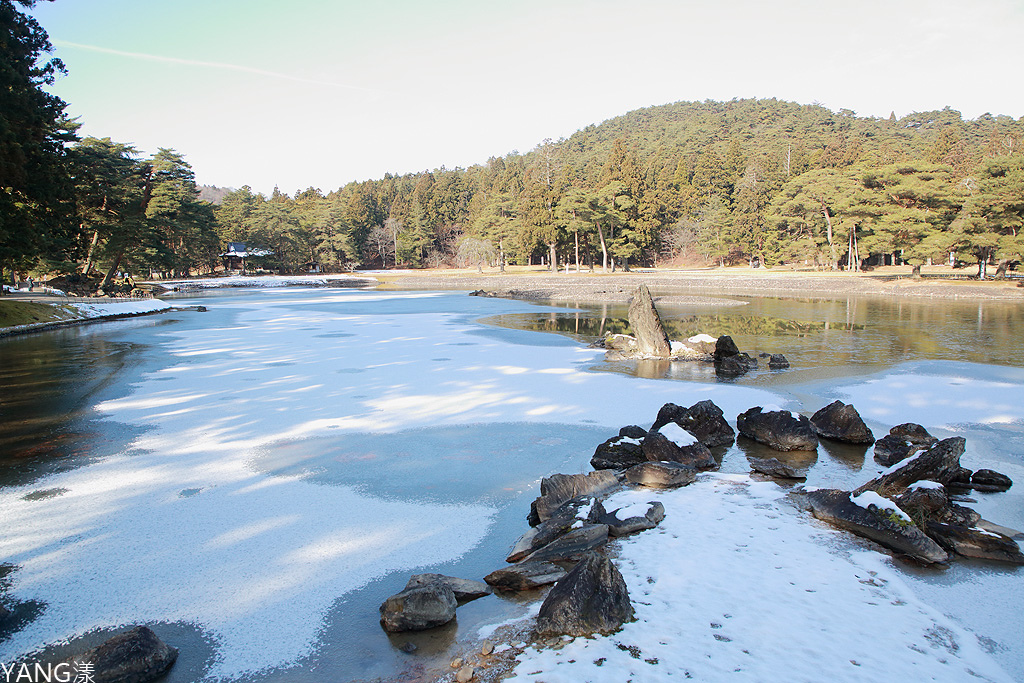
{"x": 319, "y": 93}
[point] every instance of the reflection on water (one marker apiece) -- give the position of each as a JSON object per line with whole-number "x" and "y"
{"x": 832, "y": 338}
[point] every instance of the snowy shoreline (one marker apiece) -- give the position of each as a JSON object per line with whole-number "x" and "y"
{"x": 100, "y": 311}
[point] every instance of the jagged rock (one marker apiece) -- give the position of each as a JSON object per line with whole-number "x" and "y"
{"x": 661, "y": 475}
{"x": 673, "y": 444}
{"x": 592, "y": 598}
{"x": 841, "y": 422}
{"x": 645, "y": 323}
{"x": 880, "y": 525}
{"x": 773, "y": 467}
{"x": 620, "y": 452}
{"x": 620, "y": 526}
{"x": 978, "y": 543}
{"x": 135, "y": 656}
{"x": 960, "y": 479}
{"x": 525, "y": 576}
{"x": 419, "y": 608}
{"x": 586, "y": 509}
{"x": 558, "y": 488}
{"x": 890, "y": 449}
{"x": 778, "y": 429}
{"x": 572, "y": 545}
{"x": 939, "y": 463}
{"x": 990, "y": 481}
{"x": 724, "y": 348}
{"x": 704, "y": 420}
{"x": 464, "y": 589}
{"x": 4, "y": 614}
{"x": 777, "y": 361}
{"x": 913, "y": 433}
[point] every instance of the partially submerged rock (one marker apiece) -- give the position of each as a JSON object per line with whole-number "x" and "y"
{"x": 584, "y": 509}
{"x": 418, "y": 608}
{"x": 620, "y": 522}
{"x": 901, "y": 442}
{"x": 673, "y": 444}
{"x": 873, "y": 519}
{"x": 572, "y": 545}
{"x": 559, "y": 488}
{"x": 525, "y": 576}
{"x": 135, "y": 656}
{"x": 620, "y": 452}
{"x": 704, "y": 420}
{"x": 841, "y": 422}
{"x": 939, "y": 463}
{"x": 774, "y": 467}
{"x": 990, "y": 481}
{"x": 592, "y": 598}
{"x": 661, "y": 475}
{"x": 464, "y": 589}
{"x": 778, "y": 429}
{"x": 645, "y": 323}
{"x": 977, "y": 543}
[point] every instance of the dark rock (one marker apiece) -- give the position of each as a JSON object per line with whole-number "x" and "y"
{"x": 618, "y": 453}
{"x": 633, "y": 432}
{"x": 923, "y": 502}
{"x": 725, "y": 347}
{"x": 525, "y": 576}
{"x": 572, "y": 545}
{"x": 620, "y": 527}
{"x": 939, "y": 463}
{"x": 645, "y": 323}
{"x": 586, "y": 509}
{"x": 882, "y": 526}
{"x": 890, "y": 449}
{"x": 960, "y": 479}
{"x": 408, "y": 648}
{"x": 657, "y": 447}
{"x": 464, "y": 589}
{"x": 734, "y": 366}
{"x": 990, "y": 481}
{"x": 978, "y": 543}
{"x": 419, "y": 608}
{"x": 773, "y": 467}
{"x": 592, "y": 598}
{"x": 777, "y": 362}
{"x": 134, "y": 656}
{"x": 661, "y": 475}
{"x": 958, "y": 514}
{"x": 559, "y": 488}
{"x": 777, "y": 429}
{"x": 201, "y": 309}
{"x": 704, "y": 420}
{"x": 4, "y": 614}
{"x": 913, "y": 433}
{"x": 841, "y": 422}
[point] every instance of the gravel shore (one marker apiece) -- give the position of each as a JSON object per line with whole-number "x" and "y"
{"x": 697, "y": 287}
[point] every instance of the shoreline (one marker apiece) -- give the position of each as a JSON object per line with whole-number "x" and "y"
{"x": 695, "y": 287}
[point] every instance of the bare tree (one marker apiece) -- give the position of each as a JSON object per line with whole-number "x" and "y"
{"x": 475, "y": 252}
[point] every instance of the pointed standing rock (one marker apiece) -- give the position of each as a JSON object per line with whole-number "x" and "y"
{"x": 592, "y": 598}
{"x": 645, "y": 322}
{"x": 841, "y": 422}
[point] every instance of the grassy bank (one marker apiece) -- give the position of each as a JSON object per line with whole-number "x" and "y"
{"x": 14, "y": 313}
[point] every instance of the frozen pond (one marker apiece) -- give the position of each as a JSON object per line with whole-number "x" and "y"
{"x": 253, "y": 481}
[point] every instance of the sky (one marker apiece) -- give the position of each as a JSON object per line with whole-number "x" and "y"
{"x": 319, "y": 93}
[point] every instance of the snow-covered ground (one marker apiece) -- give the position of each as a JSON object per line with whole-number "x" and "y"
{"x": 189, "y": 526}
{"x": 262, "y": 281}
{"x": 736, "y": 586}
{"x": 105, "y": 308}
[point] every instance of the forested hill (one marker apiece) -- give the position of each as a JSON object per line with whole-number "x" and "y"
{"x": 714, "y": 182}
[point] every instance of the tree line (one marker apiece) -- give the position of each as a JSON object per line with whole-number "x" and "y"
{"x": 757, "y": 181}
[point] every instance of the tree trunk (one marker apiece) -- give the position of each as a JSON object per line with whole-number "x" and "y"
{"x": 831, "y": 245}
{"x": 92, "y": 247}
{"x": 113, "y": 269}
{"x": 552, "y": 258}
{"x": 604, "y": 249}
{"x": 501, "y": 253}
{"x": 576, "y": 237}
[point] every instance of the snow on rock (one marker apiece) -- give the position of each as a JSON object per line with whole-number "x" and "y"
{"x": 869, "y": 498}
{"x": 677, "y": 435}
{"x": 739, "y": 586}
{"x": 706, "y": 338}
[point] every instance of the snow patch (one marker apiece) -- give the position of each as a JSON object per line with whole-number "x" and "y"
{"x": 869, "y": 498}
{"x": 677, "y": 435}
